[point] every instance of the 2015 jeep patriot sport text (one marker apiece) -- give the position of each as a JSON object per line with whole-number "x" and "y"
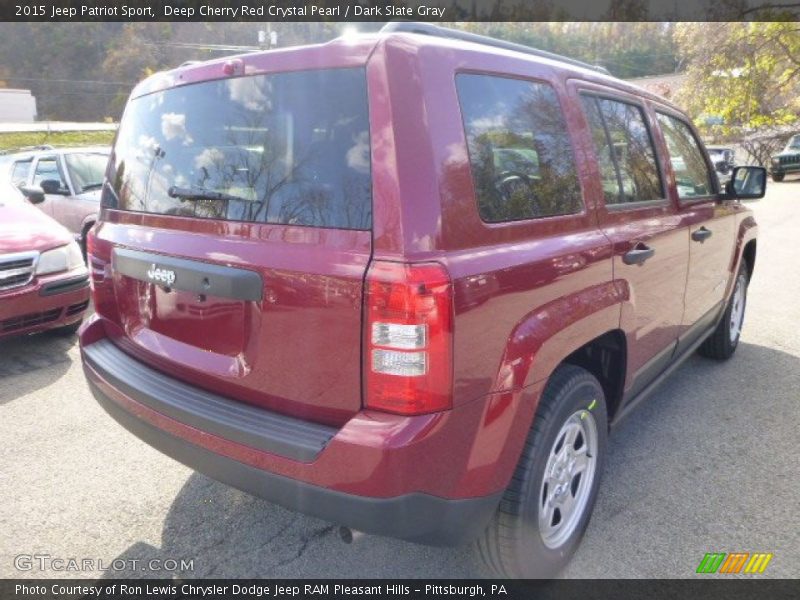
{"x": 405, "y": 283}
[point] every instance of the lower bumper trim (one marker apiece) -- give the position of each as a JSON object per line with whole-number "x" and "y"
{"x": 416, "y": 517}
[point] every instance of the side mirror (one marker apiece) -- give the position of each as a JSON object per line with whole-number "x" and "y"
{"x": 35, "y": 195}
{"x": 52, "y": 186}
{"x": 746, "y": 183}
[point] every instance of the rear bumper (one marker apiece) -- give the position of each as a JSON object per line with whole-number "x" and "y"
{"x": 47, "y": 303}
{"x": 319, "y": 471}
{"x": 417, "y": 517}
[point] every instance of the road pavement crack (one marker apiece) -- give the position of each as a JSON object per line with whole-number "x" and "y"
{"x": 304, "y": 543}
{"x": 250, "y": 551}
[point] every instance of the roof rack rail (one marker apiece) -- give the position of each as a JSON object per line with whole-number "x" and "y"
{"x": 465, "y": 36}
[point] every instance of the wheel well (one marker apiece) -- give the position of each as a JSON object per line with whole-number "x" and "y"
{"x": 749, "y": 255}
{"x": 84, "y": 233}
{"x": 605, "y": 357}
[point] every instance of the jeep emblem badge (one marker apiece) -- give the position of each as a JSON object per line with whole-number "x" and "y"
{"x": 157, "y": 275}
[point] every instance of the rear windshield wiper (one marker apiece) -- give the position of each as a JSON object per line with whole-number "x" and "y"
{"x": 200, "y": 194}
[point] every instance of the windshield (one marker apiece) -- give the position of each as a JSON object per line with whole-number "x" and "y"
{"x": 290, "y": 148}
{"x": 86, "y": 169}
{"x": 794, "y": 143}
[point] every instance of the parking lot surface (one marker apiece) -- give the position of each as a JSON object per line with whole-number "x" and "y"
{"x": 710, "y": 463}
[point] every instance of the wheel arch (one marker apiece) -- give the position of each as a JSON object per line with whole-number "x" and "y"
{"x": 605, "y": 357}
{"x": 582, "y": 329}
{"x": 744, "y": 250}
{"x": 87, "y": 224}
{"x": 749, "y": 256}
{"x": 549, "y": 334}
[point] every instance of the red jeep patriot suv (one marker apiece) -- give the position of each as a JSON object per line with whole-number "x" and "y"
{"x": 405, "y": 282}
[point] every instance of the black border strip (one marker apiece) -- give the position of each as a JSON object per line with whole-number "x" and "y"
{"x": 708, "y": 588}
{"x": 386, "y": 10}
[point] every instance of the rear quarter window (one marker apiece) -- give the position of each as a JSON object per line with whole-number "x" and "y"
{"x": 519, "y": 148}
{"x": 20, "y": 171}
{"x": 289, "y": 148}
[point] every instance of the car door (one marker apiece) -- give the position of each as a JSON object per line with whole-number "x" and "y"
{"x": 650, "y": 245}
{"x": 711, "y": 225}
{"x": 73, "y": 208}
{"x": 46, "y": 167}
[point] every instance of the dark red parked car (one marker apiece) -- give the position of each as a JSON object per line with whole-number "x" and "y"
{"x": 44, "y": 283}
{"x": 405, "y": 283}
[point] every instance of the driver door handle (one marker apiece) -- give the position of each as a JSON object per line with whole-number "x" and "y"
{"x": 701, "y": 235}
{"x": 640, "y": 253}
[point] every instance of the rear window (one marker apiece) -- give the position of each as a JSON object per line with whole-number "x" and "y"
{"x": 519, "y": 149}
{"x": 290, "y": 148}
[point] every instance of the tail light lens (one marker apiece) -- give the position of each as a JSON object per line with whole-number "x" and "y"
{"x": 90, "y": 248}
{"x": 90, "y": 242}
{"x": 409, "y": 338}
{"x": 98, "y": 259}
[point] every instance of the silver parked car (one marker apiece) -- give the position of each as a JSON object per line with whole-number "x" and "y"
{"x": 64, "y": 183}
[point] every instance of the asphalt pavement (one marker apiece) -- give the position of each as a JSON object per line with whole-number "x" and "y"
{"x": 710, "y": 463}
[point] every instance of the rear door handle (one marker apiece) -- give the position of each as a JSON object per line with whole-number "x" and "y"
{"x": 640, "y": 253}
{"x": 701, "y": 235}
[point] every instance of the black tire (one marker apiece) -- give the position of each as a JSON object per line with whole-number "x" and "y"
{"x": 778, "y": 177}
{"x": 67, "y": 330}
{"x": 721, "y": 344}
{"x": 513, "y": 545}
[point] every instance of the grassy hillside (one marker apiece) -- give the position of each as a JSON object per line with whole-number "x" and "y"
{"x": 10, "y": 141}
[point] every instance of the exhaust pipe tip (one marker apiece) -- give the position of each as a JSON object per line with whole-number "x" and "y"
{"x": 348, "y": 536}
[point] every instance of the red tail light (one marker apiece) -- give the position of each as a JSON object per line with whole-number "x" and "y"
{"x": 408, "y": 360}
{"x": 96, "y": 274}
{"x": 90, "y": 242}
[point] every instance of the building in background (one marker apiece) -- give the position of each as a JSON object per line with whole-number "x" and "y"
{"x": 17, "y": 106}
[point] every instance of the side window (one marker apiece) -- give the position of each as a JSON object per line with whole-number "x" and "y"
{"x": 19, "y": 172}
{"x": 47, "y": 168}
{"x": 692, "y": 177}
{"x": 519, "y": 149}
{"x": 602, "y": 146}
{"x": 623, "y": 143}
